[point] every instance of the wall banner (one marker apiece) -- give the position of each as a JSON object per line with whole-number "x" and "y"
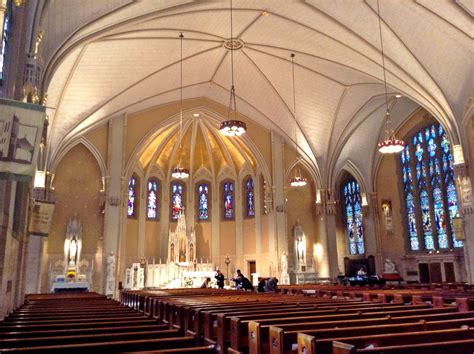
{"x": 21, "y": 127}
{"x": 40, "y": 218}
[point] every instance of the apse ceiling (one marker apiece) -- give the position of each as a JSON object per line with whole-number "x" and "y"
{"x": 104, "y": 58}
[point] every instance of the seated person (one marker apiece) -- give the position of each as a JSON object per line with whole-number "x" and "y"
{"x": 362, "y": 273}
{"x": 272, "y": 285}
{"x": 206, "y": 283}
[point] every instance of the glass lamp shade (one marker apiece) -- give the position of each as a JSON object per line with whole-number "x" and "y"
{"x": 180, "y": 173}
{"x": 390, "y": 144}
{"x": 298, "y": 181}
{"x": 233, "y": 128}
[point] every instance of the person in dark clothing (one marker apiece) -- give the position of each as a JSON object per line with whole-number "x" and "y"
{"x": 219, "y": 279}
{"x": 245, "y": 283}
{"x": 261, "y": 286}
{"x": 272, "y": 285}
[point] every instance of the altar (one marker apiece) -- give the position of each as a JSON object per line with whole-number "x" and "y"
{"x": 182, "y": 269}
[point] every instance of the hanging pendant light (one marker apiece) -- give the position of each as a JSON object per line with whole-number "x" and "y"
{"x": 180, "y": 172}
{"x": 298, "y": 180}
{"x": 232, "y": 127}
{"x": 390, "y": 144}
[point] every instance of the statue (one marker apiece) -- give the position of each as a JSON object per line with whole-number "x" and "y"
{"x": 389, "y": 267}
{"x": 73, "y": 245}
{"x": 110, "y": 275}
{"x": 111, "y": 266}
{"x": 284, "y": 263}
{"x": 300, "y": 246}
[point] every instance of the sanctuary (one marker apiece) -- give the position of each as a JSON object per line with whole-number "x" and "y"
{"x": 147, "y": 144}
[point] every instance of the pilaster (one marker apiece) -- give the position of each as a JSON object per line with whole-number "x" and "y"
{"x": 278, "y": 176}
{"x": 113, "y": 220}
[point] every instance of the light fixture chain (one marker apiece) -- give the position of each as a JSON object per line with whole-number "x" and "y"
{"x": 383, "y": 60}
{"x": 294, "y": 103}
{"x": 181, "y": 36}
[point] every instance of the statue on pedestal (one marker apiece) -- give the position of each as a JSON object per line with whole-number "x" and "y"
{"x": 110, "y": 275}
{"x": 300, "y": 246}
{"x": 72, "y": 246}
{"x": 284, "y": 276}
{"x": 389, "y": 267}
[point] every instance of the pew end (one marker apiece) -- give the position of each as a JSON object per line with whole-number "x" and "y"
{"x": 306, "y": 344}
{"x": 343, "y": 348}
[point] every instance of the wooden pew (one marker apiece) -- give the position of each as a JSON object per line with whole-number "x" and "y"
{"x": 284, "y": 339}
{"x": 253, "y": 331}
{"x": 410, "y": 343}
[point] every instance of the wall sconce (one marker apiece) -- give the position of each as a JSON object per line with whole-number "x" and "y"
{"x": 318, "y": 197}
{"x": 458, "y": 156}
{"x": 40, "y": 179}
{"x": 458, "y": 227}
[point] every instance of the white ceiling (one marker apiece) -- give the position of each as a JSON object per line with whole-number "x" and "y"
{"x": 112, "y": 56}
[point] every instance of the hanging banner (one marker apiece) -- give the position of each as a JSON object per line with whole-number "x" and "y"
{"x": 40, "y": 218}
{"x": 21, "y": 127}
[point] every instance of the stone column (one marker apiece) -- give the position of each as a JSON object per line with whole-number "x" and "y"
{"x": 375, "y": 211}
{"x": 329, "y": 221}
{"x": 322, "y": 251}
{"x": 112, "y": 219}
{"x": 278, "y": 176}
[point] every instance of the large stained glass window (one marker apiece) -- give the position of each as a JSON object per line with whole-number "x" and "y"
{"x": 203, "y": 201}
{"x": 152, "y": 199}
{"x": 228, "y": 196}
{"x": 430, "y": 198}
{"x": 250, "y": 197}
{"x": 353, "y": 214}
{"x": 177, "y": 199}
{"x": 132, "y": 197}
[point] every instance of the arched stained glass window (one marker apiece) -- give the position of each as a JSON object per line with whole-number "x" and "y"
{"x": 132, "y": 197}
{"x": 203, "y": 201}
{"x": 250, "y": 197}
{"x": 177, "y": 199}
{"x": 228, "y": 196}
{"x": 6, "y": 35}
{"x": 352, "y": 201}
{"x": 430, "y": 198}
{"x": 152, "y": 199}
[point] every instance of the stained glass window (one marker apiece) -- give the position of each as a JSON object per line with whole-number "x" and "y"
{"x": 132, "y": 197}
{"x": 152, "y": 199}
{"x": 430, "y": 198}
{"x": 353, "y": 214}
{"x": 228, "y": 195}
{"x": 6, "y": 34}
{"x": 250, "y": 197}
{"x": 203, "y": 201}
{"x": 177, "y": 199}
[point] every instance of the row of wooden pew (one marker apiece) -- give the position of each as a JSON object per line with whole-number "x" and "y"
{"x": 89, "y": 323}
{"x": 241, "y": 322}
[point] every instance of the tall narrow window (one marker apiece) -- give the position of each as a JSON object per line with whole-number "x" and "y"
{"x": 228, "y": 196}
{"x": 430, "y": 198}
{"x": 6, "y": 33}
{"x": 250, "y": 197}
{"x": 353, "y": 214}
{"x": 177, "y": 199}
{"x": 152, "y": 199}
{"x": 203, "y": 201}
{"x": 132, "y": 197}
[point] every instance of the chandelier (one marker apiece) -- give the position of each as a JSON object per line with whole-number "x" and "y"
{"x": 298, "y": 180}
{"x": 180, "y": 172}
{"x": 390, "y": 144}
{"x": 232, "y": 127}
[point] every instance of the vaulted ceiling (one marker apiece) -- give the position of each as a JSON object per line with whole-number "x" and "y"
{"x": 103, "y": 58}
